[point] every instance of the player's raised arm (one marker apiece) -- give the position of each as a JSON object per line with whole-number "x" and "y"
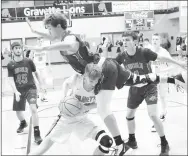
{"x": 69, "y": 44}
{"x": 45, "y": 35}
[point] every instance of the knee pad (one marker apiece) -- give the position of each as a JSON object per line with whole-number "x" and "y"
{"x": 129, "y": 119}
{"x": 104, "y": 139}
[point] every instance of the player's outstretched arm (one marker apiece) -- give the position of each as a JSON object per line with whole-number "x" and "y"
{"x": 45, "y": 35}
{"x": 69, "y": 45}
{"x": 171, "y": 60}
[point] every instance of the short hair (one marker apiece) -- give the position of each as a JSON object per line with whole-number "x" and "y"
{"x": 130, "y": 33}
{"x": 14, "y": 44}
{"x": 146, "y": 39}
{"x": 93, "y": 71}
{"x": 56, "y": 18}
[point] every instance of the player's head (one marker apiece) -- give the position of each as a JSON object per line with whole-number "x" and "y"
{"x": 16, "y": 48}
{"x": 156, "y": 40}
{"x": 129, "y": 39}
{"x": 92, "y": 74}
{"x": 146, "y": 42}
{"x": 55, "y": 23}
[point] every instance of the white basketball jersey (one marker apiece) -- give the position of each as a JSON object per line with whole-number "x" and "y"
{"x": 86, "y": 98}
{"x": 158, "y": 66}
{"x": 80, "y": 93}
{"x": 40, "y": 59}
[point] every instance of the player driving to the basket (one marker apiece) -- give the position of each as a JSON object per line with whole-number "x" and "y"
{"x": 81, "y": 88}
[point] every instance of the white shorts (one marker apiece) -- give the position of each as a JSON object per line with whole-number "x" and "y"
{"x": 83, "y": 129}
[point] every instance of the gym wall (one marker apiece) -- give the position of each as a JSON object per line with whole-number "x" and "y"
{"x": 94, "y": 27}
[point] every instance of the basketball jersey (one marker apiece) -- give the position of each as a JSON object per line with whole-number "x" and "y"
{"x": 80, "y": 93}
{"x": 137, "y": 64}
{"x": 159, "y": 66}
{"x": 77, "y": 91}
{"x": 40, "y": 59}
{"x": 80, "y": 59}
{"x": 22, "y": 73}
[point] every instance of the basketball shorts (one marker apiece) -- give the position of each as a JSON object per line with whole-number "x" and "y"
{"x": 138, "y": 94}
{"x": 63, "y": 128}
{"x": 114, "y": 75}
{"x": 26, "y": 94}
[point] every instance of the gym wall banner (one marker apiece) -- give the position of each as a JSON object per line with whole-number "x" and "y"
{"x": 139, "y": 20}
{"x": 71, "y": 8}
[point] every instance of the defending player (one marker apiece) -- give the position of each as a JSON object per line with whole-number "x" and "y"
{"x": 22, "y": 82}
{"x": 137, "y": 60}
{"x": 75, "y": 52}
{"x": 82, "y": 88}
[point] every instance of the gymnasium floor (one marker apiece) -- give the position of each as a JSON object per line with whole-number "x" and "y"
{"x": 175, "y": 124}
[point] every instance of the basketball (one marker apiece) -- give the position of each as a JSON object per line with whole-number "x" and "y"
{"x": 70, "y": 106}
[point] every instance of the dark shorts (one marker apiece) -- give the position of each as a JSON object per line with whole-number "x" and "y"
{"x": 138, "y": 94}
{"x": 114, "y": 75}
{"x": 26, "y": 94}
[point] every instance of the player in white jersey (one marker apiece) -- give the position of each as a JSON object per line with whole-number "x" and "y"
{"x": 40, "y": 59}
{"x": 82, "y": 88}
{"x": 161, "y": 68}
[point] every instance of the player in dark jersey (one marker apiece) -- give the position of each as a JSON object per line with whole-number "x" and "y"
{"x": 22, "y": 82}
{"x": 137, "y": 60}
{"x": 76, "y": 53}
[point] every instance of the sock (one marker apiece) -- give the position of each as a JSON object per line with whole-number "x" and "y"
{"x": 170, "y": 80}
{"x": 23, "y": 121}
{"x": 36, "y": 128}
{"x": 118, "y": 140}
{"x": 163, "y": 140}
{"x": 132, "y": 137}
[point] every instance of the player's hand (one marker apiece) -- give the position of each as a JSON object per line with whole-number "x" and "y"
{"x": 152, "y": 76}
{"x": 17, "y": 94}
{"x": 29, "y": 23}
{"x": 84, "y": 109}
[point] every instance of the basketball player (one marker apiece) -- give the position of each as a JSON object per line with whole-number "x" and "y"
{"x": 162, "y": 68}
{"x": 80, "y": 87}
{"x": 137, "y": 60}
{"x": 146, "y": 43}
{"x": 22, "y": 82}
{"x": 40, "y": 59}
{"x": 75, "y": 52}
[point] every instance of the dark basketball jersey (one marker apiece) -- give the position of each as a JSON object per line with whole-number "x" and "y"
{"x": 80, "y": 59}
{"x": 140, "y": 62}
{"x": 22, "y": 73}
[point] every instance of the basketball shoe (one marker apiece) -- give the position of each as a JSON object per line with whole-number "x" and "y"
{"x": 123, "y": 149}
{"x": 165, "y": 149}
{"x": 132, "y": 143}
{"x": 37, "y": 136}
{"x": 23, "y": 125}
